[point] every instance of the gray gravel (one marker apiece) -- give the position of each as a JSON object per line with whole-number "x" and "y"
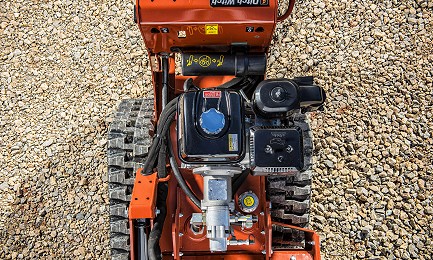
{"x": 65, "y": 65}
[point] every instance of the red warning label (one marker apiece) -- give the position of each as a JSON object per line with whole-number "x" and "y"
{"x": 211, "y": 94}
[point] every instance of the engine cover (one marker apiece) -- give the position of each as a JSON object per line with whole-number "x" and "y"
{"x": 276, "y": 151}
{"x": 210, "y": 127}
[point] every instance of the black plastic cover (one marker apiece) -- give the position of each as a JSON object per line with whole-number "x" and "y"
{"x": 198, "y": 64}
{"x": 276, "y": 150}
{"x": 278, "y": 97}
{"x": 197, "y": 146}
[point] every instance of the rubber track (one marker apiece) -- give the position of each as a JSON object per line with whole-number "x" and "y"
{"x": 128, "y": 142}
{"x": 290, "y": 196}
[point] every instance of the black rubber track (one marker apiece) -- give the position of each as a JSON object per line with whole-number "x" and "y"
{"x": 290, "y": 196}
{"x": 127, "y": 148}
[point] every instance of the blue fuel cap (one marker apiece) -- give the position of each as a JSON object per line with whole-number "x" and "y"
{"x": 212, "y": 121}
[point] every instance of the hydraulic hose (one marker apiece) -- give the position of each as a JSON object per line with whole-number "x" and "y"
{"x": 162, "y": 157}
{"x": 153, "y": 247}
{"x": 180, "y": 179}
{"x": 165, "y": 74}
{"x": 159, "y": 152}
{"x": 163, "y": 126}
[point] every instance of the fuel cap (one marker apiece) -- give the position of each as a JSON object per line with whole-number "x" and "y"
{"x": 212, "y": 121}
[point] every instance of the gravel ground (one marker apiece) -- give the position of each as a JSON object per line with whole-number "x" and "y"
{"x": 65, "y": 65}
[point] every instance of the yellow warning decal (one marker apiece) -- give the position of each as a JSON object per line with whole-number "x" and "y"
{"x": 233, "y": 142}
{"x": 249, "y": 201}
{"x": 211, "y": 29}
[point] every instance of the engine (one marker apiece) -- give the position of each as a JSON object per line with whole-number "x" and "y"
{"x": 227, "y": 130}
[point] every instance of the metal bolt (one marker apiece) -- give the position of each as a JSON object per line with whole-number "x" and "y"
{"x": 262, "y": 213}
{"x": 263, "y": 232}
{"x": 180, "y": 215}
{"x": 289, "y": 149}
{"x": 180, "y": 234}
{"x": 180, "y": 254}
{"x": 293, "y": 257}
{"x": 264, "y": 252}
{"x": 311, "y": 243}
{"x": 157, "y": 211}
{"x": 268, "y": 149}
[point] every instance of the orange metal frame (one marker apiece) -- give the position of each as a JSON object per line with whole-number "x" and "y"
{"x": 179, "y": 242}
{"x": 173, "y": 25}
{"x": 160, "y": 22}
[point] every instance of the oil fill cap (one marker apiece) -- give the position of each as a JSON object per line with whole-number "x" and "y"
{"x": 248, "y": 201}
{"x": 212, "y": 121}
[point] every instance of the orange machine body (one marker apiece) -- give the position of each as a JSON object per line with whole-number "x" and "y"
{"x": 169, "y": 25}
{"x": 179, "y": 242}
{"x": 172, "y": 26}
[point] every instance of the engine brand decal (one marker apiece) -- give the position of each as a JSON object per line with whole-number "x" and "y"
{"x": 233, "y": 142}
{"x": 211, "y": 29}
{"x": 245, "y": 3}
{"x": 211, "y": 94}
{"x": 204, "y": 61}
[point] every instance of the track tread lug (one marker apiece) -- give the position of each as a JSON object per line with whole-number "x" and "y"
{"x": 290, "y": 196}
{"x": 127, "y": 148}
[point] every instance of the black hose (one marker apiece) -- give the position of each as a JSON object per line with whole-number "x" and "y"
{"x": 166, "y": 118}
{"x": 159, "y": 153}
{"x": 154, "y": 250}
{"x": 165, "y": 74}
{"x": 169, "y": 109}
{"x": 162, "y": 157}
{"x": 151, "y": 156}
{"x": 180, "y": 179}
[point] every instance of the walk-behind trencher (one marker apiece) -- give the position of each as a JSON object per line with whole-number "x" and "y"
{"x": 217, "y": 163}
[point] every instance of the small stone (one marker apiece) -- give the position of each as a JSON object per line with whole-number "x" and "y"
{"x": 4, "y": 186}
{"x": 53, "y": 181}
{"x": 83, "y": 182}
{"x": 48, "y": 143}
{"x": 81, "y": 250}
{"x": 329, "y": 163}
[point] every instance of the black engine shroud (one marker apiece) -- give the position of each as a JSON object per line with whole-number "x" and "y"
{"x": 211, "y": 125}
{"x": 201, "y": 139}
